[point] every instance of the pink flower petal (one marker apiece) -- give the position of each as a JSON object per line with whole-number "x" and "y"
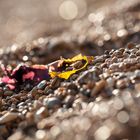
{"x": 6, "y": 79}
{"x": 11, "y": 86}
{"x": 29, "y": 75}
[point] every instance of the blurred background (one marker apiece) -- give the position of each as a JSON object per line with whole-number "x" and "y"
{"x": 25, "y": 20}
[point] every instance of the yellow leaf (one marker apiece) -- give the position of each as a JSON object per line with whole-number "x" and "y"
{"x": 67, "y": 74}
{"x": 76, "y": 58}
{"x": 53, "y": 74}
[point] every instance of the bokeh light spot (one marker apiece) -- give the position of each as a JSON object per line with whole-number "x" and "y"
{"x": 123, "y": 117}
{"x": 68, "y": 10}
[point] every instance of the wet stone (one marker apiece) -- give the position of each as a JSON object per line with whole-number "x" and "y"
{"x": 85, "y": 92}
{"x": 48, "y": 90}
{"x": 74, "y": 77}
{"x": 68, "y": 101}
{"x": 21, "y": 104}
{"x": 72, "y": 89}
{"x": 34, "y": 91}
{"x": 72, "y": 92}
{"x": 55, "y": 83}
{"x": 42, "y": 84}
{"x": 86, "y": 76}
{"x": 52, "y": 103}
{"x": 72, "y": 86}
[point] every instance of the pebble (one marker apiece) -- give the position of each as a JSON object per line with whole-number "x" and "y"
{"x": 48, "y": 90}
{"x": 110, "y": 82}
{"x": 77, "y": 104}
{"x": 68, "y": 101}
{"x": 87, "y": 75}
{"x": 3, "y": 131}
{"x": 137, "y": 87}
{"x": 8, "y": 93}
{"x": 138, "y": 53}
{"x": 30, "y": 116}
{"x": 42, "y": 84}
{"x": 72, "y": 92}
{"x": 77, "y": 65}
{"x": 52, "y": 103}
{"x": 34, "y": 91}
{"x": 122, "y": 83}
{"x": 137, "y": 73}
{"x": 98, "y": 87}
{"x": 9, "y": 116}
{"x": 55, "y": 83}
{"x": 130, "y": 45}
{"x": 37, "y": 104}
{"x": 21, "y": 104}
{"x": 41, "y": 113}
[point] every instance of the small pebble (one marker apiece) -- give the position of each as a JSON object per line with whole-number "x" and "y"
{"x": 42, "y": 84}
{"x": 98, "y": 87}
{"x": 9, "y": 116}
{"x": 52, "y": 103}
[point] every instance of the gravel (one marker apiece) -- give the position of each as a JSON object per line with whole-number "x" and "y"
{"x": 99, "y": 102}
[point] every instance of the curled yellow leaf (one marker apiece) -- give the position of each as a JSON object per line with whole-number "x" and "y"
{"x": 67, "y": 74}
